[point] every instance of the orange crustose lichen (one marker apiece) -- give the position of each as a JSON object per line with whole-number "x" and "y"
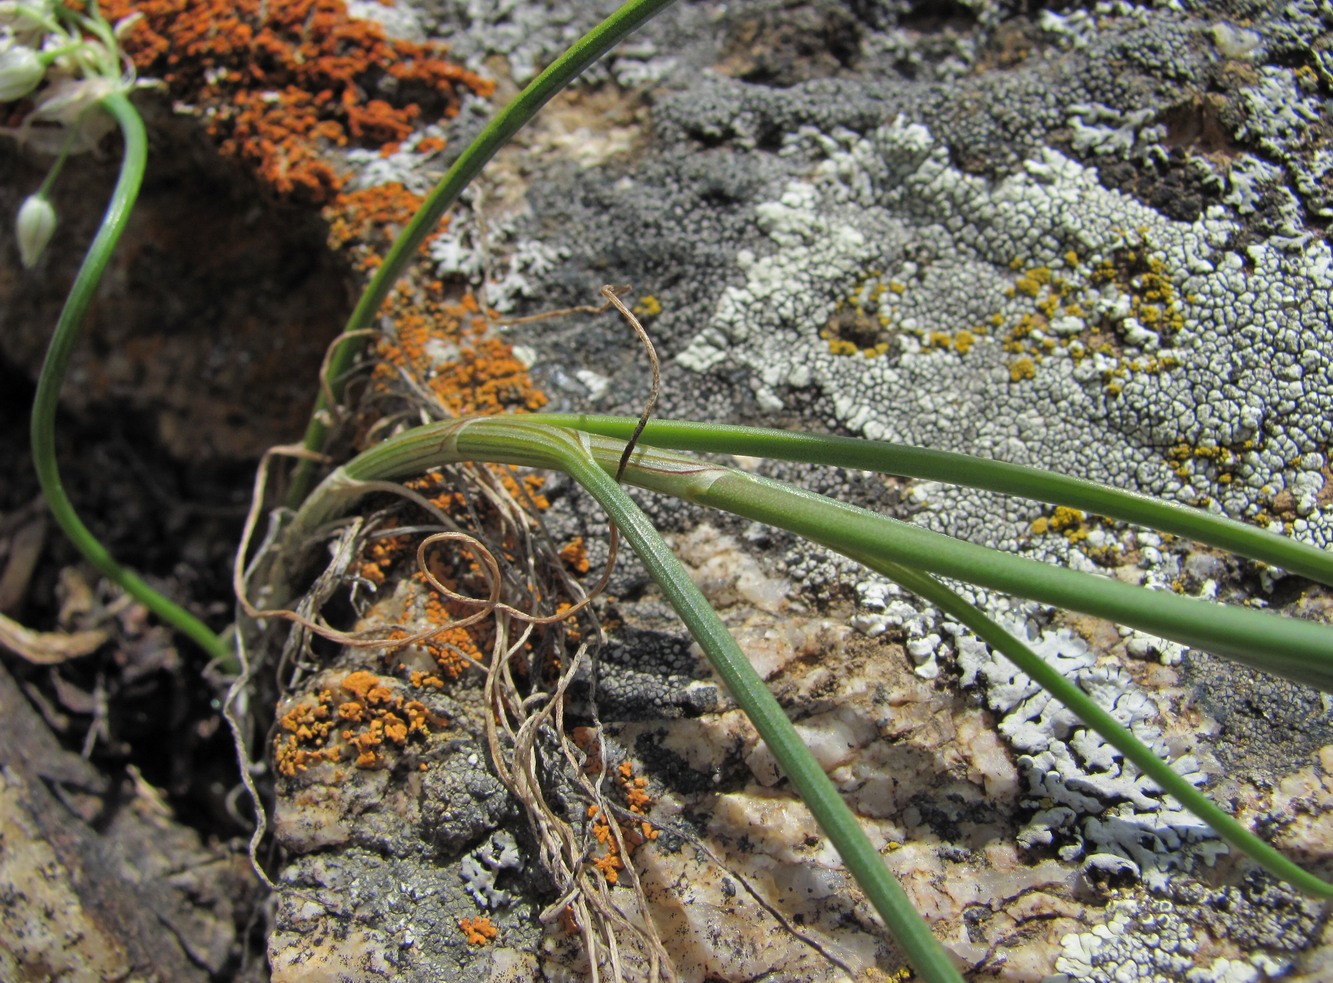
{"x": 451, "y": 648}
{"x": 574, "y": 555}
{"x": 319, "y": 731}
{"x": 307, "y": 734}
{"x": 479, "y": 930}
{"x": 373, "y": 216}
{"x": 449, "y": 349}
{"x": 637, "y": 801}
{"x": 278, "y": 81}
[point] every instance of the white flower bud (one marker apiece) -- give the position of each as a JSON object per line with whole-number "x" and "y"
{"x": 36, "y": 225}
{"x": 21, "y": 71}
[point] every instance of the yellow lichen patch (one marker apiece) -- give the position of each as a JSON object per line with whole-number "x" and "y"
{"x": 1031, "y": 282}
{"x": 1220, "y": 462}
{"x": 1143, "y": 276}
{"x": 393, "y": 723}
{"x": 870, "y": 322}
{"x": 478, "y": 931}
{"x": 648, "y": 306}
{"x": 1066, "y": 521}
{"x": 527, "y": 489}
{"x": 850, "y": 331}
{"x": 1022, "y": 368}
{"x": 1055, "y": 308}
{"x": 861, "y": 322}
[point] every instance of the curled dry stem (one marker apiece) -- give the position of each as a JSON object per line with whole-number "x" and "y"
{"x": 517, "y": 732}
{"x": 522, "y": 730}
{"x": 656, "y": 366}
{"x": 492, "y": 604}
{"x": 612, "y": 295}
{"x": 619, "y": 938}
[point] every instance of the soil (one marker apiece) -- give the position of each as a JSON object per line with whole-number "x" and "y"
{"x": 201, "y": 350}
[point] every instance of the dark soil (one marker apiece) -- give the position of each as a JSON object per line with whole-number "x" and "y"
{"x": 201, "y": 351}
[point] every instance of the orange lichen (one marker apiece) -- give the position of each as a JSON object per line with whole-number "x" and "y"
{"x": 637, "y": 800}
{"x": 278, "y": 81}
{"x": 449, "y": 348}
{"x": 453, "y": 648}
{"x": 376, "y": 715}
{"x": 394, "y": 725}
{"x": 379, "y": 556}
{"x": 421, "y": 680}
{"x": 609, "y": 864}
{"x": 307, "y": 740}
{"x": 568, "y": 921}
{"x": 429, "y": 145}
{"x": 373, "y": 216}
{"x": 366, "y": 686}
{"x": 585, "y": 738}
{"x": 574, "y": 555}
{"x": 479, "y": 930}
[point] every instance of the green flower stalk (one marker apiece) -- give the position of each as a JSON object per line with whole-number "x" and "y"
{"x": 82, "y": 95}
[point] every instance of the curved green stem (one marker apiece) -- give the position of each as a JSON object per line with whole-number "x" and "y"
{"x": 974, "y": 472}
{"x": 47, "y": 399}
{"x": 497, "y": 133}
{"x": 1299, "y": 650}
{"x": 820, "y": 796}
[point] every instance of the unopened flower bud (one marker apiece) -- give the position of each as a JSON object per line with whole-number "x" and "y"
{"x": 21, "y": 71}
{"x": 36, "y": 225}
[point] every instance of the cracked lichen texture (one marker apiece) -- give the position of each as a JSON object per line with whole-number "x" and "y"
{"x": 1245, "y": 366}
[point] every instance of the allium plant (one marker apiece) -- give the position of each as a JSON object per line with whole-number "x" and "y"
{"x": 80, "y": 97}
{"x": 82, "y": 90}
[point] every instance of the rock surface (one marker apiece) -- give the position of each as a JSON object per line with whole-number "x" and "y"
{"x": 1090, "y": 238}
